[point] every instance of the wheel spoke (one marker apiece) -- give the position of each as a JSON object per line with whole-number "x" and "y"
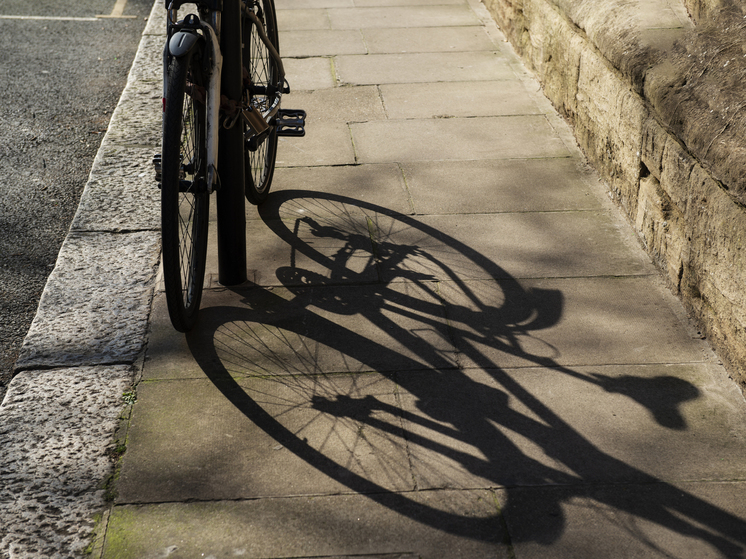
{"x": 262, "y": 93}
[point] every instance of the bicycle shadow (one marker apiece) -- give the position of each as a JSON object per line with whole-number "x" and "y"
{"x": 463, "y": 421}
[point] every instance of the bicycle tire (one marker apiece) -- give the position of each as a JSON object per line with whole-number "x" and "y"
{"x": 259, "y": 161}
{"x": 184, "y": 197}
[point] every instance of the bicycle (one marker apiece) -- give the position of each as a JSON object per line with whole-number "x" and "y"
{"x": 194, "y": 109}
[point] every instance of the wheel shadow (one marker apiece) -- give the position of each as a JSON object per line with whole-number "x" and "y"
{"x": 351, "y": 258}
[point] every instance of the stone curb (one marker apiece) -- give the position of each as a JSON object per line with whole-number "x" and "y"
{"x": 655, "y": 103}
{"x": 60, "y": 414}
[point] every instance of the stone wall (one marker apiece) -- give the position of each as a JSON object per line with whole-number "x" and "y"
{"x": 656, "y": 99}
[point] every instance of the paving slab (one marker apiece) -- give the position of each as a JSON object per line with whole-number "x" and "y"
{"x": 569, "y": 322}
{"x": 301, "y": 19}
{"x": 344, "y": 246}
{"x": 340, "y": 104}
{"x": 322, "y": 42}
{"x": 505, "y": 245}
{"x": 309, "y": 73}
{"x": 398, "y": 526}
{"x": 147, "y": 68}
{"x": 290, "y": 331}
{"x": 325, "y": 143}
{"x": 514, "y": 185}
{"x": 313, "y": 4}
{"x": 275, "y": 262}
{"x": 138, "y": 118}
{"x": 404, "y": 3}
{"x": 259, "y": 437}
{"x": 422, "y": 67}
{"x": 402, "y": 16}
{"x": 570, "y": 426}
{"x": 319, "y": 191}
{"x": 456, "y": 99}
{"x": 359, "y": 329}
{"x": 683, "y": 520}
{"x": 431, "y": 39}
{"x": 453, "y": 139}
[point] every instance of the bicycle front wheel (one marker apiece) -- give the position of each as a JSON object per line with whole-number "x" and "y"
{"x": 262, "y": 89}
{"x": 184, "y": 197}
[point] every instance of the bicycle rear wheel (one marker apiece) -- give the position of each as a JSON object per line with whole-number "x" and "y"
{"x": 184, "y": 197}
{"x": 261, "y": 89}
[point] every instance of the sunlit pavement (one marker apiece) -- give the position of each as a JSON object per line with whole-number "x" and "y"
{"x": 450, "y": 345}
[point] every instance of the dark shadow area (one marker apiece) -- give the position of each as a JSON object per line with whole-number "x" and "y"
{"x": 421, "y": 280}
{"x": 661, "y": 395}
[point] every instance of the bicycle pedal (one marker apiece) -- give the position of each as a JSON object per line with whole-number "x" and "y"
{"x": 291, "y": 122}
{"x": 157, "y": 167}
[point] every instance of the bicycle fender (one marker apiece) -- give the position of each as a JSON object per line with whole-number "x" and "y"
{"x": 213, "y": 107}
{"x": 182, "y": 43}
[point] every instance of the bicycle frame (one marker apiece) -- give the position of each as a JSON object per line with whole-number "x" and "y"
{"x": 206, "y": 92}
{"x": 183, "y": 37}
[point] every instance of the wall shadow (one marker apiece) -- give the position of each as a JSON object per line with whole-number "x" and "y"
{"x": 338, "y": 243}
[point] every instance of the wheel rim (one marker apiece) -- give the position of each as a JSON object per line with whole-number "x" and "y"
{"x": 189, "y": 172}
{"x": 262, "y": 74}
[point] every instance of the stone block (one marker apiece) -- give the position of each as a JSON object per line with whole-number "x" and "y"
{"x": 695, "y": 232}
{"x": 146, "y": 67}
{"x": 156, "y": 24}
{"x": 697, "y": 93}
{"x": 95, "y": 306}
{"x": 555, "y": 54}
{"x": 121, "y": 193}
{"x": 662, "y": 228}
{"x": 608, "y": 126}
{"x": 712, "y": 283}
{"x": 56, "y": 442}
{"x": 137, "y": 120}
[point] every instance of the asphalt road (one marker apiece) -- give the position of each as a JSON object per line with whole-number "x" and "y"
{"x": 62, "y": 71}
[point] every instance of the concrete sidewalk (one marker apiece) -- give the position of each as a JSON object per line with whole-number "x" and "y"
{"x": 451, "y": 345}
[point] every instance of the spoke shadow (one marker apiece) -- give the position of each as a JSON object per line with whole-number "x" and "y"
{"x": 465, "y": 421}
